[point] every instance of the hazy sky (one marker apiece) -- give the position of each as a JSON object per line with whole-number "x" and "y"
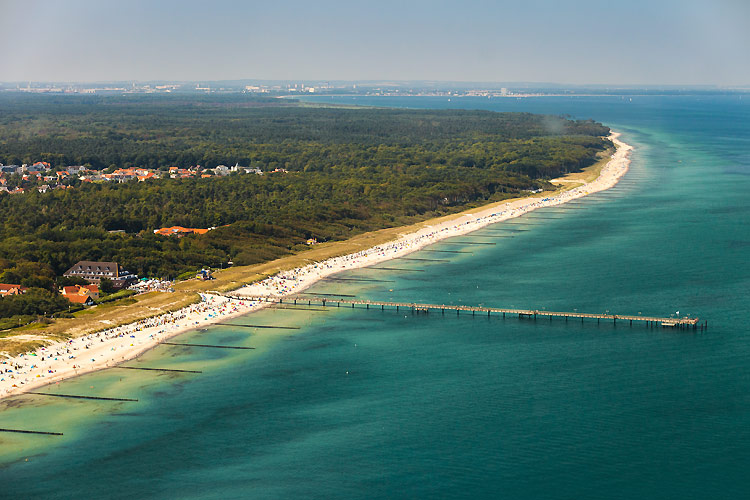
{"x": 566, "y": 41}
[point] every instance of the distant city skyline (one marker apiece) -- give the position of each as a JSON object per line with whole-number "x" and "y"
{"x": 687, "y": 42}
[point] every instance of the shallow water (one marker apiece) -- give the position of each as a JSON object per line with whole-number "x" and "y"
{"x": 371, "y": 404}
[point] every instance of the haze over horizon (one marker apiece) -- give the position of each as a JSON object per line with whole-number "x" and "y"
{"x": 689, "y": 42}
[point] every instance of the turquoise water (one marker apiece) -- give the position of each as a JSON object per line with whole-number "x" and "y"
{"x": 371, "y": 404}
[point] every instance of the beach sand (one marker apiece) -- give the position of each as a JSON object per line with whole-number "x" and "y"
{"x": 71, "y": 358}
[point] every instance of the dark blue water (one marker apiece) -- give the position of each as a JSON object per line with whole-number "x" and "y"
{"x": 371, "y": 404}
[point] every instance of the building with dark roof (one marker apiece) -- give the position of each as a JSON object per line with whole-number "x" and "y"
{"x": 93, "y": 272}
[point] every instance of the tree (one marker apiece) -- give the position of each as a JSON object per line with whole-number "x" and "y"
{"x": 349, "y": 171}
{"x": 30, "y": 274}
{"x": 106, "y": 286}
{"x": 70, "y": 281}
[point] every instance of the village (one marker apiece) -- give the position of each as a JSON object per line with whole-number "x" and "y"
{"x": 96, "y": 280}
{"x": 89, "y": 283}
{"x": 42, "y": 176}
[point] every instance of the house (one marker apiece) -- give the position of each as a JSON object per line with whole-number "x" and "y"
{"x": 81, "y": 290}
{"x": 149, "y": 175}
{"x": 43, "y": 188}
{"x": 40, "y": 166}
{"x": 93, "y": 272}
{"x": 181, "y": 173}
{"x": 11, "y": 289}
{"x": 86, "y": 300}
{"x": 221, "y": 170}
{"x": 123, "y": 175}
{"x": 75, "y": 170}
{"x": 180, "y": 231}
{"x": 248, "y": 170}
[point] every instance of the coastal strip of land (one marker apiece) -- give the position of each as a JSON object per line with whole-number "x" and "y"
{"x": 112, "y": 346}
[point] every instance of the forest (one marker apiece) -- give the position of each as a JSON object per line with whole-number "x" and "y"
{"x": 348, "y": 171}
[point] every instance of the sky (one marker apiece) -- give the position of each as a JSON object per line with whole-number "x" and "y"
{"x": 628, "y": 42}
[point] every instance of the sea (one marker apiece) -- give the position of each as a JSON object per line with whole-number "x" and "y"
{"x": 355, "y": 403}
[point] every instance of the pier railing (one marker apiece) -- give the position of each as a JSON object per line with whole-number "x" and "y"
{"x": 666, "y": 322}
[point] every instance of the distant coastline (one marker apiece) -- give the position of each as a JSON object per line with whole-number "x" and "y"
{"x": 101, "y": 350}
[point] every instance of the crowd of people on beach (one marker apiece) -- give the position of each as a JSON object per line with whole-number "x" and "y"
{"x": 151, "y": 285}
{"x": 111, "y": 346}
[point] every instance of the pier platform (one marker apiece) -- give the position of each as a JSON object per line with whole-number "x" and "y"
{"x": 534, "y": 314}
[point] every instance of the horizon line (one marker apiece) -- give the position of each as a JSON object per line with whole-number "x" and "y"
{"x": 386, "y": 82}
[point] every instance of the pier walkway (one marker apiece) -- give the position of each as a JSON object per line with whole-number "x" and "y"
{"x": 671, "y": 322}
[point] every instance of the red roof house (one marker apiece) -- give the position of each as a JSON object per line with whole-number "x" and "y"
{"x": 11, "y": 289}
{"x": 78, "y": 293}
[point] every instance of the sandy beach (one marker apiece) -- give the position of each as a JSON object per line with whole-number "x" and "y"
{"x": 61, "y": 360}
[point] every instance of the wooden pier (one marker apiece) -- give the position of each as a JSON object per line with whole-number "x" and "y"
{"x": 167, "y": 370}
{"x": 368, "y": 280}
{"x": 314, "y": 309}
{"x": 258, "y": 326}
{"x": 532, "y": 314}
{"x": 207, "y": 345}
{"x": 76, "y": 396}
{"x": 21, "y": 431}
{"x": 395, "y": 269}
{"x": 444, "y": 251}
{"x": 426, "y": 260}
{"x": 467, "y": 242}
{"x": 333, "y": 294}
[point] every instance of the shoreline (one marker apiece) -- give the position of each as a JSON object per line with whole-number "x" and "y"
{"x": 108, "y": 348}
